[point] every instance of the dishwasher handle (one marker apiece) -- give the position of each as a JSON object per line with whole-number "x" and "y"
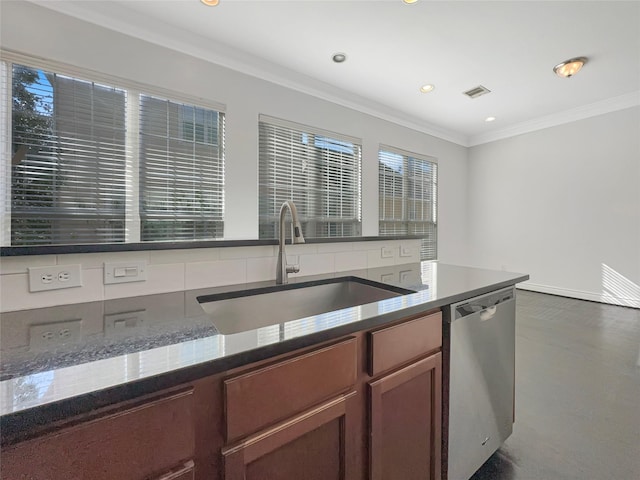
{"x": 486, "y": 305}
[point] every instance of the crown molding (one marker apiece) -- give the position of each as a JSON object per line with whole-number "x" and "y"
{"x": 585, "y": 111}
{"x": 154, "y": 31}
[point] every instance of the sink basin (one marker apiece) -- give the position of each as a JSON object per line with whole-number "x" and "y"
{"x": 244, "y": 310}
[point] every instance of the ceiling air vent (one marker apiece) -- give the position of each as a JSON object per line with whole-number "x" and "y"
{"x": 477, "y": 91}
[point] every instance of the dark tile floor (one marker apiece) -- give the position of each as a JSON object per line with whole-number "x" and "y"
{"x": 577, "y": 393}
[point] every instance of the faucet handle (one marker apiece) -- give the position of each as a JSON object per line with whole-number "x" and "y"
{"x": 293, "y": 268}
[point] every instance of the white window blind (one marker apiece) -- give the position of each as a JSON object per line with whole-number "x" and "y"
{"x": 319, "y": 171}
{"x": 408, "y": 190}
{"x": 94, "y": 163}
{"x": 68, "y": 160}
{"x": 181, "y": 171}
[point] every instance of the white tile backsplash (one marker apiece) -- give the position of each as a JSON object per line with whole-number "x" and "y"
{"x": 314, "y": 264}
{"x": 262, "y": 268}
{"x": 15, "y": 295}
{"x": 215, "y": 274}
{"x": 248, "y": 252}
{"x": 350, "y": 261}
{"x": 184, "y": 255}
{"x": 335, "y": 247}
{"x": 375, "y": 258}
{"x": 96, "y": 260}
{"x": 177, "y": 270}
{"x": 160, "y": 279}
{"x": 9, "y": 265}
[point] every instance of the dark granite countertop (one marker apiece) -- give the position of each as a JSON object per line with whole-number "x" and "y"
{"x": 116, "y": 349}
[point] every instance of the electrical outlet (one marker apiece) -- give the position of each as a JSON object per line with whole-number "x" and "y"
{"x": 49, "y": 335}
{"x": 54, "y": 278}
{"x": 386, "y": 252}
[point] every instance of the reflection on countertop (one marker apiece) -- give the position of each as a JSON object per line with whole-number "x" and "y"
{"x": 54, "y": 353}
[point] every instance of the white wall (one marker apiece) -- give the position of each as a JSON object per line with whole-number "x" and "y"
{"x": 562, "y": 204}
{"x": 58, "y": 37}
{"x": 33, "y": 30}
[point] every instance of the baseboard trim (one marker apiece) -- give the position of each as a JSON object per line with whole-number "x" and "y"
{"x": 581, "y": 295}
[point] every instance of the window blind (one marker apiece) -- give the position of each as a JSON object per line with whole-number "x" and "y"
{"x": 408, "y": 188}
{"x": 95, "y": 163}
{"x": 68, "y": 160}
{"x": 319, "y": 171}
{"x": 181, "y": 171}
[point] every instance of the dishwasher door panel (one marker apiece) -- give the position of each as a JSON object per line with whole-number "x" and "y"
{"x": 482, "y": 370}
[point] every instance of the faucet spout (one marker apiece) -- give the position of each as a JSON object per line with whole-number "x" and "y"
{"x": 282, "y": 269}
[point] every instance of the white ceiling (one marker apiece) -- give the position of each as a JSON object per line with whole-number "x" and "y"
{"x": 510, "y": 47}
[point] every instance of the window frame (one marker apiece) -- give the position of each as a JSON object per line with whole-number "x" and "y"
{"x": 134, "y": 91}
{"x": 270, "y": 222}
{"x": 406, "y": 155}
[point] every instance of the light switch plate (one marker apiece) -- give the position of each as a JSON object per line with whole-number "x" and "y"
{"x": 123, "y": 322}
{"x": 125, "y": 272}
{"x": 405, "y": 251}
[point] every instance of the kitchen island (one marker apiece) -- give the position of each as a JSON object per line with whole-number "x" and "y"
{"x": 161, "y": 357}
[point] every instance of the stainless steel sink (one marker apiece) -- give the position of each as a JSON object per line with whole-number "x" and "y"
{"x": 244, "y": 310}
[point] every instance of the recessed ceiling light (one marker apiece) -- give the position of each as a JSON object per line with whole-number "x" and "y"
{"x": 339, "y": 57}
{"x": 409, "y": 2}
{"x": 210, "y": 3}
{"x": 489, "y": 119}
{"x": 570, "y": 67}
{"x": 427, "y": 88}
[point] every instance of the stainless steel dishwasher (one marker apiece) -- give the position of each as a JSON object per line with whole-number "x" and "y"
{"x": 481, "y": 379}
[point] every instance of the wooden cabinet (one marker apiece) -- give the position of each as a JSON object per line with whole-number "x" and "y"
{"x": 405, "y": 404}
{"x": 153, "y": 439}
{"x": 405, "y": 422}
{"x": 261, "y": 397}
{"x": 316, "y": 445}
{"x": 294, "y": 419}
{"x": 185, "y": 471}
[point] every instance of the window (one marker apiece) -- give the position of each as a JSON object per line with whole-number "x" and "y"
{"x": 181, "y": 171}
{"x": 94, "y": 163}
{"x": 319, "y": 171}
{"x": 408, "y": 186}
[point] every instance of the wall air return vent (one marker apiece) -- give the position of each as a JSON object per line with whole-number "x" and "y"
{"x": 477, "y": 92}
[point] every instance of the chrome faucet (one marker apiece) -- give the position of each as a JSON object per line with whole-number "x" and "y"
{"x": 282, "y": 269}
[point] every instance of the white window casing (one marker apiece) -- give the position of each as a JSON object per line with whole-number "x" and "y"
{"x": 320, "y": 171}
{"x": 408, "y": 192}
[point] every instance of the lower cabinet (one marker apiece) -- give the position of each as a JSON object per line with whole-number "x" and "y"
{"x": 182, "y": 472}
{"x": 153, "y": 440}
{"x": 315, "y": 445}
{"x": 405, "y": 422}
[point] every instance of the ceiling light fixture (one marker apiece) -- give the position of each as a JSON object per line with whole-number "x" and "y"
{"x": 410, "y": 2}
{"x": 210, "y": 3}
{"x": 570, "y": 67}
{"x": 427, "y": 88}
{"x": 339, "y": 57}
{"x": 489, "y": 119}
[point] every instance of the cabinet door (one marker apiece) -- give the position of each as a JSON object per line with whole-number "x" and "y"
{"x": 131, "y": 444}
{"x": 315, "y": 445}
{"x": 405, "y": 422}
{"x": 185, "y": 471}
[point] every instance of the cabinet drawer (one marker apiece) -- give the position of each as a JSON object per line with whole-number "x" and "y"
{"x": 131, "y": 444}
{"x": 393, "y": 346}
{"x": 262, "y": 397}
